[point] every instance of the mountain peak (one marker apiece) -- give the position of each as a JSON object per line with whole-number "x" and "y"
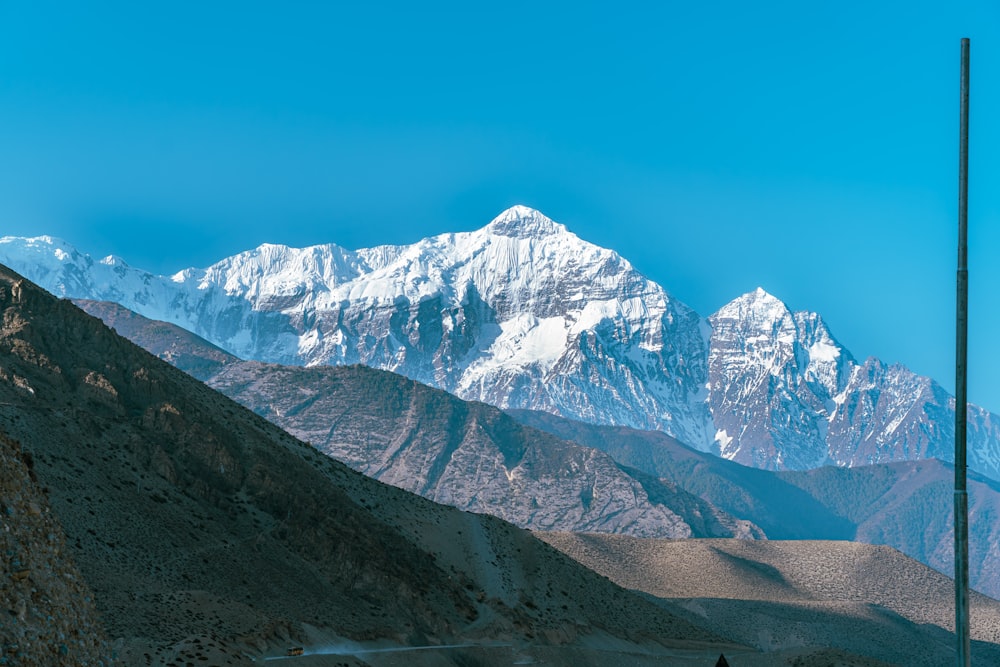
{"x": 114, "y": 260}
{"x": 759, "y": 302}
{"x": 524, "y": 222}
{"x": 762, "y": 295}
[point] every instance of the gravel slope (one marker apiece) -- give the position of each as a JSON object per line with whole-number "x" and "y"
{"x": 776, "y": 595}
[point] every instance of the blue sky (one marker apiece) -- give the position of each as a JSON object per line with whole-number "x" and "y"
{"x": 809, "y": 148}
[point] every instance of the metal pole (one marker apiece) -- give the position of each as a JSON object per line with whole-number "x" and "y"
{"x": 961, "y": 354}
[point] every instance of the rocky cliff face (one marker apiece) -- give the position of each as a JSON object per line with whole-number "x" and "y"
{"x": 772, "y": 374}
{"x": 51, "y": 619}
{"x": 523, "y": 314}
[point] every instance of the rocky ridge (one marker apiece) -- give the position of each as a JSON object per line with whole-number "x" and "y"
{"x": 468, "y": 455}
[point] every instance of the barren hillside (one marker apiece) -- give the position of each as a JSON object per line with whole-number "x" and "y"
{"x": 776, "y": 595}
{"x": 203, "y": 528}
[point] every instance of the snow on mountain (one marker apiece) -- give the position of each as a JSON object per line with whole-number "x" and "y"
{"x": 773, "y": 375}
{"x": 786, "y": 395}
{"x": 522, "y": 313}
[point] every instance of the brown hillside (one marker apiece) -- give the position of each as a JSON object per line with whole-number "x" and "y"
{"x": 904, "y": 504}
{"x": 775, "y": 595}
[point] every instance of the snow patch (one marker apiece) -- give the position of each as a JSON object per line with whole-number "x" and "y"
{"x": 823, "y": 351}
{"x": 527, "y": 340}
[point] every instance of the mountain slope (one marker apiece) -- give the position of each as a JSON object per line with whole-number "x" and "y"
{"x": 198, "y": 524}
{"x": 906, "y": 504}
{"x": 909, "y": 505}
{"x": 52, "y": 621}
{"x": 178, "y": 347}
{"x": 782, "y": 509}
{"x": 242, "y": 496}
{"x": 774, "y": 594}
{"x": 469, "y": 455}
{"x": 903, "y": 505}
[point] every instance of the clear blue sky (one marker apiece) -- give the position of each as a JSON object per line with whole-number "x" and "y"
{"x": 809, "y": 148}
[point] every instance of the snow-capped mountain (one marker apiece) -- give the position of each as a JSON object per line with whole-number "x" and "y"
{"x": 786, "y": 395}
{"x": 523, "y": 313}
{"x": 772, "y": 374}
{"x": 520, "y": 314}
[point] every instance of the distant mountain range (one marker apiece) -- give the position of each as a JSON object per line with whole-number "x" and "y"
{"x": 903, "y": 504}
{"x": 523, "y": 314}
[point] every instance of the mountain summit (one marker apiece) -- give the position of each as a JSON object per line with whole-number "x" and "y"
{"x": 773, "y": 374}
{"x": 523, "y": 222}
{"x": 522, "y": 313}
{"x": 785, "y": 394}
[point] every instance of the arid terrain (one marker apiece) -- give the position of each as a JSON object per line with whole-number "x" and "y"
{"x": 780, "y": 594}
{"x": 203, "y": 534}
{"x": 51, "y": 620}
{"x": 205, "y": 531}
{"x": 904, "y": 504}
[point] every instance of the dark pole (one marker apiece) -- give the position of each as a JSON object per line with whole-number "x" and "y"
{"x": 961, "y": 353}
